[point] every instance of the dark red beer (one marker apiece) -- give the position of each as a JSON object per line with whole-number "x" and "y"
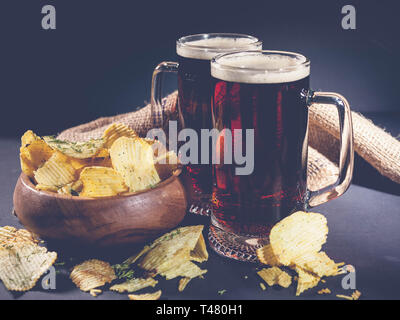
{"x": 274, "y": 106}
{"x": 194, "y": 96}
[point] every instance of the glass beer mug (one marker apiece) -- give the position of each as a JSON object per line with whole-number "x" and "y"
{"x": 194, "y": 99}
{"x": 266, "y": 94}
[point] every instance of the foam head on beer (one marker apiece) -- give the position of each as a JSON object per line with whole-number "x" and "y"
{"x": 207, "y": 48}
{"x": 258, "y": 67}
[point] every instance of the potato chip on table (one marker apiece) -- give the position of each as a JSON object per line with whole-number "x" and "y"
{"x": 297, "y": 235}
{"x": 171, "y": 256}
{"x": 183, "y": 282}
{"x": 275, "y": 275}
{"x": 186, "y": 269}
{"x": 92, "y": 274}
{"x": 134, "y": 284}
{"x": 146, "y": 296}
{"x": 172, "y": 250}
{"x": 306, "y": 280}
{"x": 22, "y": 260}
{"x": 266, "y": 255}
{"x": 296, "y": 242}
{"x": 318, "y": 263}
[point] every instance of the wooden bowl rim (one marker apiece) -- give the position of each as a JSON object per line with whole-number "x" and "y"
{"x": 28, "y": 183}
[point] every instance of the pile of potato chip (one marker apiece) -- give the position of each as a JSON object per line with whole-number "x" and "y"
{"x": 172, "y": 255}
{"x": 296, "y": 242}
{"x": 118, "y": 163}
{"x": 23, "y": 262}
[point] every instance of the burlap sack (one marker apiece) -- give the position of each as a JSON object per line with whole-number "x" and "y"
{"x": 376, "y": 146}
{"x": 372, "y": 143}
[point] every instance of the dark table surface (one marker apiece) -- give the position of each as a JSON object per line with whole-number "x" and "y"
{"x": 363, "y": 226}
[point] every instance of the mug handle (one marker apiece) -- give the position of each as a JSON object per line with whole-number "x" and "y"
{"x": 157, "y": 108}
{"x": 346, "y": 157}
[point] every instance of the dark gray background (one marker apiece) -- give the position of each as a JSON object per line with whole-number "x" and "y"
{"x": 100, "y": 58}
{"x": 99, "y": 62}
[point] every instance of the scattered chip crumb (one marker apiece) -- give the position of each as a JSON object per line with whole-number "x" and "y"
{"x": 274, "y": 276}
{"x": 146, "y": 296}
{"x": 95, "y": 292}
{"x": 262, "y": 285}
{"x": 324, "y": 291}
{"x": 183, "y": 283}
{"x": 354, "y": 296}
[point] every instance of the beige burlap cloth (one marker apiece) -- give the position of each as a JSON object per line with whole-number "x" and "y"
{"x": 372, "y": 143}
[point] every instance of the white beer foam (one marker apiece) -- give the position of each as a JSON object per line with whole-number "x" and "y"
{"x": 206, "y": 49}
{"x": 264, "y": 68}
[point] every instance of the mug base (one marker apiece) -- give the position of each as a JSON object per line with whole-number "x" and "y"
{"x": 229, "y": 245}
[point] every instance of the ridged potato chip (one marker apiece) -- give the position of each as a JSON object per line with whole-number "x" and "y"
{"x": 171, "y": 250}
{"x": 11, "y": 234}
{"x": 305, "y": 281}
{"x": 133, "y": 285}
{"x": 266, "y": 256}
{"x": 318, "y": 263}
{"x": 183, "y": 282}
{"x": 199, "y": 253}
{"x": 92, "y": 274}
{"x": 275, "y": 275}
{"x": 115, "y": 131}
{"x": 146, "y": 296}
{"x": 28, "y": 137}
{"x": 185, "y": 269}
{"x": 22, "y": 260}
{"x": 324, "y": 291}
{"x": 79, "y": 150}
{"x": 101, "y": 182}
{"x": 56, "y": 172}
{"x": 132, "y": 158}
{"x": 34, "y": 152}
{"x": 297, "y": 235}
{"x": 80, "y": 164}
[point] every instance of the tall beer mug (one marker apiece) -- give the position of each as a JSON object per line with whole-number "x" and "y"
{"x": 266, "y": 94}
{"x": 194, "y": 100}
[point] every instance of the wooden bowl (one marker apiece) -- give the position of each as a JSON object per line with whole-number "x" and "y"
{"x": 105, "y": 221}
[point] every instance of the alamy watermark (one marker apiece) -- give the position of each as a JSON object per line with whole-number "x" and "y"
{"x": 216, "y": 147}
{"x": 349, "y": 18}
{"x": 49, "y": 18}
{"x": 349, "y": 280}
{"x": 49, "y": 280}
